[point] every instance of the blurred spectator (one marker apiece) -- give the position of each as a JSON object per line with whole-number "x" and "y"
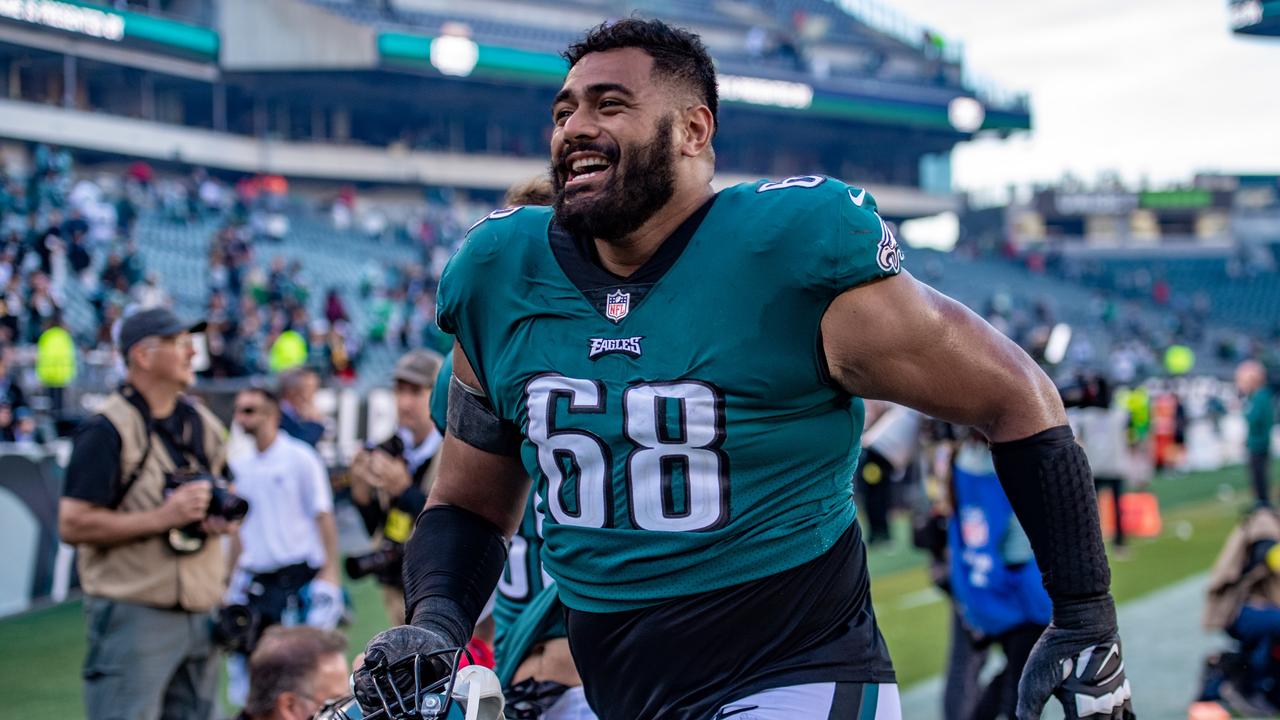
{"x": 294, "y": 673}
{"x": 334, "y": 310}
{"x": 6, "y": 422}
{"x": 150, "y": 293}
{"x": 1244, "y": 600}
{"x": 24, "y": 430}
{"x": 56, "y": 362}
{"x": 42, "y": 308}
{"x": 390, "y": 482}
{"x": 1101, "y": 428}
{"x": 994, "y": 576}
{"x": 10, "y": 391}
{"x": 1259, "y": 412}
{"x": 151, "y": 579}
{"x": 286, "y": 553}
{"x": 889, "y": 445}
{"x": 299, "y": 416}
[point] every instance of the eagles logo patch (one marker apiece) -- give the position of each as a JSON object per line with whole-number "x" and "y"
{"x": 888, "y": 254}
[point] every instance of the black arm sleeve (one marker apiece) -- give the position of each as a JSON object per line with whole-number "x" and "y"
{"x": 473, "y": 420}
{"x": 93, "y": 472}
{"x": 452, "y": 562}
{"x": 1050, "y": 487}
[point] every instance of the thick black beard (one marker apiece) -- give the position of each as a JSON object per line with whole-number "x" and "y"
{"x": 643, "y": 182}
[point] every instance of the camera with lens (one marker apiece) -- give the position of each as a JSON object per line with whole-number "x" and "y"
{"x": 235, "y": 628}
{"x": 383, "y": 562}
{"x": 393, "y": 446}
{"x": 222, "y": 504}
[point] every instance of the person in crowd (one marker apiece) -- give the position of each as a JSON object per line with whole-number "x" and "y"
{"x": 1244, "y": 601}
{"x": 994, "y": 576}
{"x": 137, "y": 504}
{"x": 889, "y": 445}
{"x": 1101, "y": 426}
{"x": 11, "y": 393}
{"x": 294, "y": 673}
{"x": 390, "y": 481}
{"x": 1259, "y": 412}
{"x": 299, "y": 417}
{"x": 24, "y": 430}
{"x": 56, "y": 361}
{"x": 286, "y": 553}
{"x": 6, "y": 422}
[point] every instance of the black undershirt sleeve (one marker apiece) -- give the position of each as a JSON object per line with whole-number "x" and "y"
{"x": 93, "y": 473}
{"x": 1050, "y": 486}
{"x": 452, "y": 563}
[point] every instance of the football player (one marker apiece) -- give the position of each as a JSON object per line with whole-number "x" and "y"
{"x": 679, "y": 370}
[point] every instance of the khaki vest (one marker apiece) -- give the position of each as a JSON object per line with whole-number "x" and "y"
{"x": 1230, "y": 587}
{"x": 145, "y": 570}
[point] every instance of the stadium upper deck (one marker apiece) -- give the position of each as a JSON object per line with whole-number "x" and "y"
{"x": 456, "y": 94}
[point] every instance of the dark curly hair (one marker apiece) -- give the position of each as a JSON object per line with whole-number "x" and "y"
{"x": 677, "y": 54}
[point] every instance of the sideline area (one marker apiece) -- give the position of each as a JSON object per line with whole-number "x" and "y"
{"x": 1159, "y": 584}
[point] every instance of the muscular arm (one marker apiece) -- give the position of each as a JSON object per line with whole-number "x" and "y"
{"x": 329, "y": 537}
{"x": 899, "y": 340}
{"x": 492, "y": 486}
{"x": 82, "y": 522}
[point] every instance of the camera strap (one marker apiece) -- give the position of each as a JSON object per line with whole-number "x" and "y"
{"x": 149, "y": 425}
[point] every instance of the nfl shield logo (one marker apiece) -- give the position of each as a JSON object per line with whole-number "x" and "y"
{"x": 617, "y": 305}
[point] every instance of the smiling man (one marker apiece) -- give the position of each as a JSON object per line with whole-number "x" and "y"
{"x": 679, "y": 371}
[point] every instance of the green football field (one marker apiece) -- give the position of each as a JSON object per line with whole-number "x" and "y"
{"x": 41, "y": 651}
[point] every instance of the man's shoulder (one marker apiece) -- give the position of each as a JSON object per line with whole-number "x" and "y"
{"x": 800, "y": 194}
{"x": 98, "y": 429}
{"x": 500, "y": 229}
{"x": 499, "y": 252}
{"x": 294, "y": 446}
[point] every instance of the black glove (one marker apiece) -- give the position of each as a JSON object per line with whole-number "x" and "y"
{"x": 1078, "y": 660}
{"x": 385, "y": 666}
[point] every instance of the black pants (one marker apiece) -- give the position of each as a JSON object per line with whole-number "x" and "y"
{"x": 874, "y": 495}
{"x": 964, "y": 668}
{"x": 1259, "y": 471}
{"x": 684, "y": 659}
{"x": 1000, "y": 698}
{"x": 1117, "y": 490}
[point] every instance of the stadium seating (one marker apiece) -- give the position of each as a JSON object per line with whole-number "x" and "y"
{"x": 1236, "y": 296}
{"x": 178, "y": 252}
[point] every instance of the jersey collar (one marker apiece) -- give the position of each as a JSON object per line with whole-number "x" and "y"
{"x": 581, "y": 263}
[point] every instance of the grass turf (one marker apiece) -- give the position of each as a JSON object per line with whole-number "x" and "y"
{"x": 43, "y": 649}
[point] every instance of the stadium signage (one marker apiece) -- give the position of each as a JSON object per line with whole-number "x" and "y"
{"x": 1176, "y": 199}
{"x": 66, "y": 17}
{"x": 1097, "y": 203}
{"x": 759, "y": 91}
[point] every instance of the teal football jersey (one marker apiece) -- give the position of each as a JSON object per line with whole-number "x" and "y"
{"x": 679, "y": 424}
{"x": 522, "y": 580}
{"x": 440, "y": 393}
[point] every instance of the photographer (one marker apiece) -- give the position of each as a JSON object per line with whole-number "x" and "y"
{"x": 286, "y": 554}
{"x": 144, "y": 503}
{"x": 389, "y": 482}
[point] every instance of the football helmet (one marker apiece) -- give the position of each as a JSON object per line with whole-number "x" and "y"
{"x": 467, "y": 693}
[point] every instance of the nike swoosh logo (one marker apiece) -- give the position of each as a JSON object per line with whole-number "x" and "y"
{"x": 729, "y": 712}
{"x": 857, "y": 199}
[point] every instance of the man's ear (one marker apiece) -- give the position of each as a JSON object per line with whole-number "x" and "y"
{"x": 697, "y": 127}
{"x": 289, "y": 706}
{"x": 138, "y": 357}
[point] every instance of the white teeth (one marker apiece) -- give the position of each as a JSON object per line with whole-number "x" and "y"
{"x": 581, "y": 163}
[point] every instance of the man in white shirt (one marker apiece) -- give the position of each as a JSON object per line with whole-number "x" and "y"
{"x": 286, "y": 554}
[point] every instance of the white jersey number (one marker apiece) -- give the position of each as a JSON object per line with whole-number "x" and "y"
{"x": 676, "y": 429}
